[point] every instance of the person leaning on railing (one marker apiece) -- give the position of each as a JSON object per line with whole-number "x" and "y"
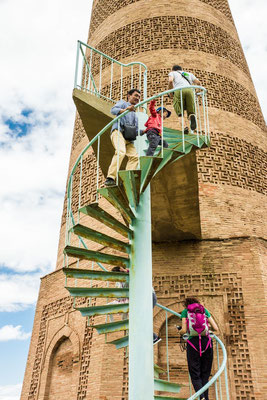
{"x": 179, "y": 79}
{"x": 123, "y": 133}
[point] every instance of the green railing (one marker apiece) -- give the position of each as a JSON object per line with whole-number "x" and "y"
{"x": 92, "y": 66}
{"x": 217, "y": 378}
{"x": 200, "y": 96}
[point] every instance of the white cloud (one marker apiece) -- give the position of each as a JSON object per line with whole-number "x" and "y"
{"x": 10, "y": 392}
{"x": 18, "y": 292}
{"x": 10, "y": 332}
{"x": 250, "y": 20}
{"x": 37, "y": 71}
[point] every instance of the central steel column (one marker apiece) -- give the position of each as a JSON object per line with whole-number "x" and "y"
{"x": 141, "y": 363}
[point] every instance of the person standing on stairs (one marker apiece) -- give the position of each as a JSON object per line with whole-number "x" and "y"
{"x": 179, "y": 79}
{"x": 123, "y": 133}
{"x": 154, "y": 127}
{"x": 199, "y": 348}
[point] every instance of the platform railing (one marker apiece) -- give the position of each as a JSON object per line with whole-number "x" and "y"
{"x": 219, "y": 379}
{"x": 93, "y": 65}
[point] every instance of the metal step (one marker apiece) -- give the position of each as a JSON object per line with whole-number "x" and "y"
{"x": 93, "y": 210}
{"x": 104, "y": 310}
{"x": 165, "y": 386}
{"x": 148, "y": 166}
{"x": 130, "y": 181}
{"x": 120, "y": 343}
{"x": 158, "y": 370}
{"x": 98, "y": 292}
{"x": 112, "y": 327}
{"x": 101, "y": 238}
{"x": 84, "y": 254}
{"x": 168, "y": 398}
{"x": 115, "y": 196}
{"x": 96, "y": 275}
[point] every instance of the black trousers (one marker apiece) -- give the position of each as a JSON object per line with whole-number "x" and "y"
{"x": 199, "y": 367}
{"x": 154, "y": 140}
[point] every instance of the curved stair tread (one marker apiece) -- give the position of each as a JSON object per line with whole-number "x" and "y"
{"x": 156, "y": 397}
{"x": 85, "y": 254}
{"x": 111, "y": 276}
{"x": 93, "y": 210}
{"x": 98, "y": 292}
{"x": 129, "y": 182}
{"x": 115, "y": 196}
{"x": 121, "y": 342}
{"x": 104, "y": 310}
{"x": 112, "y": 327}
{"x": 165, "y": 386}
{"x": 101, "y": 238}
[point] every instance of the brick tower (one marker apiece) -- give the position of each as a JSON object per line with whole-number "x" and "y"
{"x": 207, "y": 226}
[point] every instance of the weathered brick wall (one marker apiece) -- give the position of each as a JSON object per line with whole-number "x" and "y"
{"x": 227, "y": 268}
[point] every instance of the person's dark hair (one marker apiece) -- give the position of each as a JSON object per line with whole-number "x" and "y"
{"x": 190, "y": 300}
{"x": 130, "y": 92}
{"x": 116, "y": 269}
{"x": 177, "y": 68}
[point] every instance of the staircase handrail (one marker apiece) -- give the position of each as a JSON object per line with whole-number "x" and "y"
{"x": 222, "y": 367}
{"x": 113, "y": 61}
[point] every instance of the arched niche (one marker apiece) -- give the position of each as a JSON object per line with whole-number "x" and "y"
{"x": 60, "y": 370}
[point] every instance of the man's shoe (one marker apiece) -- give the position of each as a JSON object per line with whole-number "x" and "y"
{"x": 156, "y": 340}
{"x": 186, "y": 130}
{"x": 110, "y": 182}
{"x": 193, "y": 122}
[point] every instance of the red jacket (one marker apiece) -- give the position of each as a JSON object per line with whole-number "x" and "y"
{"x": 154, "y": 121}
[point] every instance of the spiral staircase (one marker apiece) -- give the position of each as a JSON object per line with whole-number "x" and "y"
{"x": 130, "y": 248}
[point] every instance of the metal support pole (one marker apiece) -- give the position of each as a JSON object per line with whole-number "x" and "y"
{"x": 141, "y": 371}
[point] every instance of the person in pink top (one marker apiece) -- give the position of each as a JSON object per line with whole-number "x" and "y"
{"x": 154, "y": 127}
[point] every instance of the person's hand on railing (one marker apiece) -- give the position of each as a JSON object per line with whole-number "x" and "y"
{"x": 130, "y": 108}
{"x": 170, "y": 95}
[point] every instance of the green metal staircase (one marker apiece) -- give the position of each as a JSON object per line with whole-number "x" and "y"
{"x": 127, "y": 218}
{"x": 124, "y": 197}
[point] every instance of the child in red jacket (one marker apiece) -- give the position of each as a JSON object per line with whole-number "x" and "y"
{"x": 154, "y": 127}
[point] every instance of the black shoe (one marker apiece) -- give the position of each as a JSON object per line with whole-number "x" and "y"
{"x": 186, "y": 131}
{"x": 110, "y": 182}
{"x": 193, "y": 122}
{"x": 156, "y": 340}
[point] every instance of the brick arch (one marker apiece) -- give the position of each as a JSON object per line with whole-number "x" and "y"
{"x": 64, "y": 336}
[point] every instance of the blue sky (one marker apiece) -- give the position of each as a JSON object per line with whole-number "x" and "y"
{"x": 36, "y": 125}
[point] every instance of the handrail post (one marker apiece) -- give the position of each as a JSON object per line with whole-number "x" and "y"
{"x": 100, "y": 74}
{"x": 162, "y": 126}
{"x": 77, "y": 64}
{"x": 167, "y": 346}
{"x": 145, "y": 88}
{"x": 182, "y": 113}
{"x": 111, "y": 80}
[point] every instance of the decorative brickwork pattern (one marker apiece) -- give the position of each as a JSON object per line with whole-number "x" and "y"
{"x": 231, "y": 284}
{"x": 105, "y": 8}
{"x": 231, "y": 161}
{"x": 125, "y": 375}
{"x": 54, "y": 309}
{"x": 222, "y": 6}
{"x": 88, "y": 189}
{"x": 79, "y": 132}
{"x": 173, "y": 32}
{"x": 85, "y": 361}
{"x": 223, "y": 93}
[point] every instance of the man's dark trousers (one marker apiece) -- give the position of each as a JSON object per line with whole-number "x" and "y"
{"x": 199, "y": 367}
{"x": 154, "y": 141}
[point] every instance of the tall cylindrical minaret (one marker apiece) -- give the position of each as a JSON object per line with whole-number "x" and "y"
{"x": 209, "y": 238}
